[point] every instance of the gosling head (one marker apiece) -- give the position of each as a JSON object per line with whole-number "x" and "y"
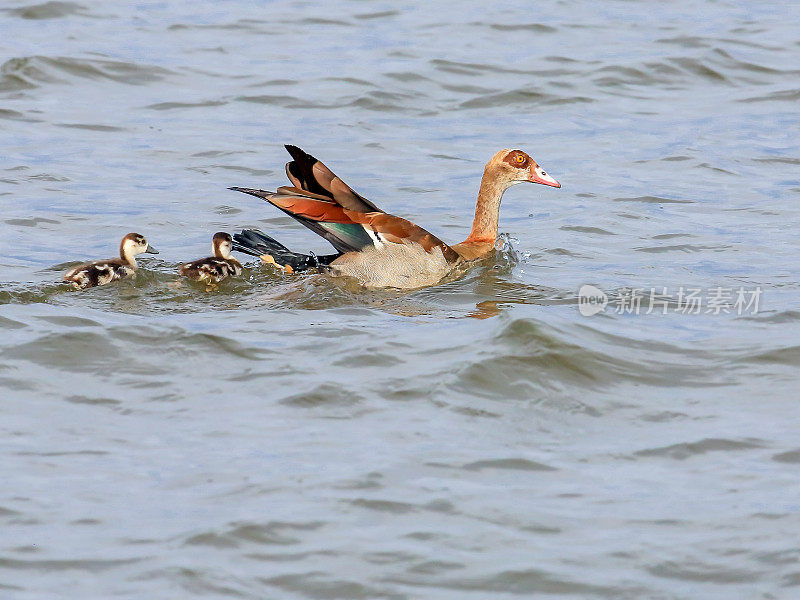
{"x": 510, "y": 167}
{"x": 222, "y": 244}
{"x": 133, "y": 244}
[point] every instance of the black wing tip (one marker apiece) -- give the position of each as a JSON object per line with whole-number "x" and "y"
{"x": 255, "y": 242}
{"x": 299, "y": 154}
{"x": 252, "y": 191}
{"x": 244, "y": 242}
{"x": 245, "y": 250}
{"x": 247, "y": 235}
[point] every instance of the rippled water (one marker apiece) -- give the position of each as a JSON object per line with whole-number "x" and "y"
{"x": 296, "y": 437}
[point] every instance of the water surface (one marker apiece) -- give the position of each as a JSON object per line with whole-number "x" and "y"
{"x": 296, "y": 437}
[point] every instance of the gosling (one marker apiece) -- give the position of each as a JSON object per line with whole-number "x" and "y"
{"x": 101, "y": 272}
{"x": 215, "y": 268}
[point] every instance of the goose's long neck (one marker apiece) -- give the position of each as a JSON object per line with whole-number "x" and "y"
{"x": 487, "y": 210}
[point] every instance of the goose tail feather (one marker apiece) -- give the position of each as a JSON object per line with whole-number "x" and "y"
{"x": 269, "y": 250}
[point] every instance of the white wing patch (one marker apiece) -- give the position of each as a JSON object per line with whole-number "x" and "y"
{"x": 375, "y": 237}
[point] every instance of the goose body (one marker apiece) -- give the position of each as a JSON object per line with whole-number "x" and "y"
{"x": 214, "y": 269}
{"x": 374, "y": 247}
{"x": 101, "y": 272}
{"x": 396, "y": 265}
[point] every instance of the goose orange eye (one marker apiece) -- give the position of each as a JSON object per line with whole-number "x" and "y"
{"x": 520, "y": 159}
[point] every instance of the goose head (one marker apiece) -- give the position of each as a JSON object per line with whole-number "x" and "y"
{"x": 510, "y": 167}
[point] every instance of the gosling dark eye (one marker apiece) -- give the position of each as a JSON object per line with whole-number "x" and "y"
{"x": 543, "y": 173}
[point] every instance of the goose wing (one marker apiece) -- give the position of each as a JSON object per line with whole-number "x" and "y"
{"x": 348, "y": 230}
{"x": 310, "y": 175}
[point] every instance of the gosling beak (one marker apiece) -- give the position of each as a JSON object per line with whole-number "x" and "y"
{"x": 539, "y": 176}
{"x": 150, "y": 250}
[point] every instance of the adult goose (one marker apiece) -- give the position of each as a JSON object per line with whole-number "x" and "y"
{"x": 374, "y": 247}
{"x": 101, "y": 272}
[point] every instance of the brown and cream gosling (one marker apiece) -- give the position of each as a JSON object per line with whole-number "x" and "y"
{"x": 215, "y": 268}
{"x": 101, "y": 272}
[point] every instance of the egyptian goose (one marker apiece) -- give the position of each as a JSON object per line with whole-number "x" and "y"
{"x": 101, "y": 272}
{"x": 215, "y": 268}
{"x": 374, "y": 247}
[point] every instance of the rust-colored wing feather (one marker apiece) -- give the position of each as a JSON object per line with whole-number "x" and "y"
{"x": 397, "y": 230}
{"x": 309, "y": 208}
{"x": 323, "y": 217}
